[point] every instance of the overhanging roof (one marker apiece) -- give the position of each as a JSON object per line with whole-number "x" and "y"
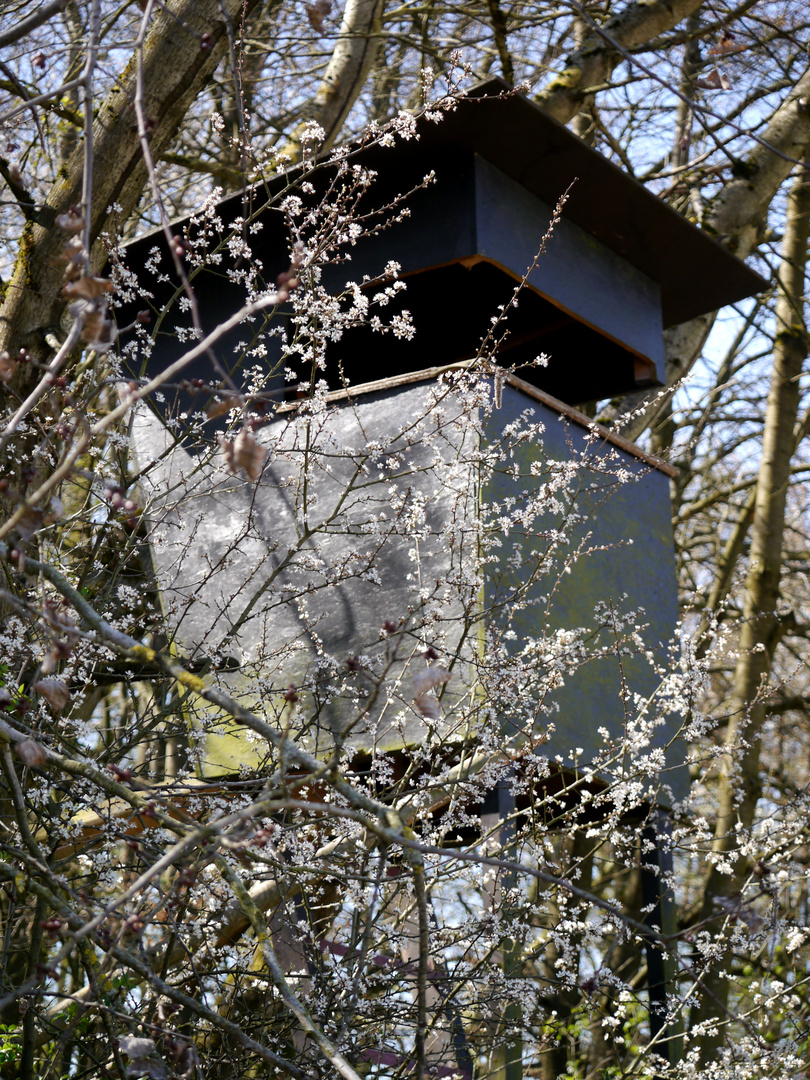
{"x": 501, "y": 165}
{"x": 696, "y": 273}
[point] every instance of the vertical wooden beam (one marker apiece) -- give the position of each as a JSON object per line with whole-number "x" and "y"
{"x": 660, "y": 914}
{"x": 507, "y": 1058}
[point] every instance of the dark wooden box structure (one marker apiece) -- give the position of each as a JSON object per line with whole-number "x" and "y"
{"x": 237, "y": 582}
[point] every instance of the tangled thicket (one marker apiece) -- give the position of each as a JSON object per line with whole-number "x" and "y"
{"x": 487, "y": 902}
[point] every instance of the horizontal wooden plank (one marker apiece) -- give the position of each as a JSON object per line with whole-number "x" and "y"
{"x": 362, "y": 389}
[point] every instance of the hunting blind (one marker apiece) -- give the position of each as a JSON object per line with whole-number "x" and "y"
{"x": 440, "y": 507}
{"x": 369, "y": 510}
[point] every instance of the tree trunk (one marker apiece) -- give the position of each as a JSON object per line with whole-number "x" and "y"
{"x": 737, "y": 217}
{"x": 175, "y": 70}
{"x": 740, "y": 774}
{"x": 346, "y": 73}
{"x": 593, "y": 61}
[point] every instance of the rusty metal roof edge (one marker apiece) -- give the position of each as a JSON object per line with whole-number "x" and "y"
{"x": 568, "y": 411}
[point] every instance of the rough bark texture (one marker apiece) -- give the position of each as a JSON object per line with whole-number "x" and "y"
{"x": 738, "y": 214}
{"x": 737, "y": 217}
{"x": 345, "y": 76}
{"x": 175, "y": 71}
{"x": 592, "y": 63}
{"x": 350, "y": 65}
{"x": 740, "y": 783}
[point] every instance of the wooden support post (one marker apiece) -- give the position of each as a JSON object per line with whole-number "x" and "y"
{"x": 506, "y": 1062}
{"x": 513, "y": 1014}
{"x": 659, "y": 906}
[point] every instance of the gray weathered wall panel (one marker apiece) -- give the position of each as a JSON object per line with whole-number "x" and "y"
{"x": 218, "y": 541}
{"x": 618, "y": 553}
{"x": 394, "y": 489}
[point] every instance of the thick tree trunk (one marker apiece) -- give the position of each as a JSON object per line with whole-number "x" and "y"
{"x": 175, "y": 70}
{"x": 346, "y": 73}
{"x": 593, "y": 61}
{"x": 737, "y": 217}
{"x": 349, "y": 66}
{"x": 740, "y": 775}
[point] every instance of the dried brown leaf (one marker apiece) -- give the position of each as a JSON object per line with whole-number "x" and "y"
{"x": 428, "y": 679}
{"x": 426, "y": 703}
{"x": 316, "y": 13}
{"x": 57, "y": 617}
{"x": 30, "y": 752}
{"x": 50, "y": 662}
{"x": 714, "y": 81}
{"x": 71, "y": 222}
{"x": 30, "y": 520}
{"x": 220, "y": 407}
{"x": 727, "y": 47}
{"x": 98, "y": 330}
{"x": 428, "y": 706}
{"x": 8, "y": 367}
{"x": 87, "y": 288}
{"x": 55, "y": 692}
{"x": 72, "y": 258}
{"x": 244, "y": 453}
